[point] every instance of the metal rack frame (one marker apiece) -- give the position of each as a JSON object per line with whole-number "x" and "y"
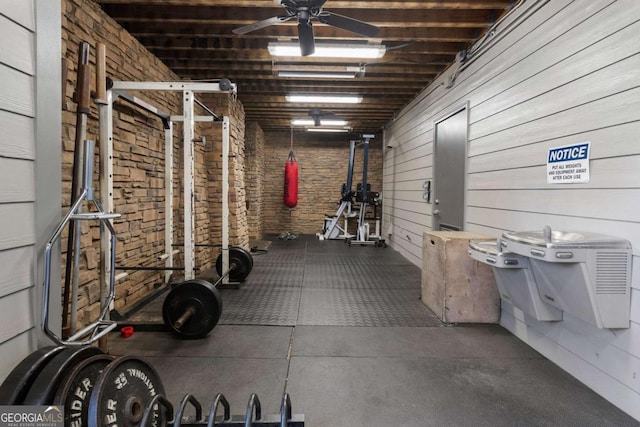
{"x": 119, "y": 90}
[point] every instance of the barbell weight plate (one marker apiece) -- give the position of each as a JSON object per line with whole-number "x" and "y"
{"x": 16, "y": 385}
{"x": 243, "y": 264}
{"x": 123, "y": 391}
{"x": 46, "y": 383}
{"x": 246, "y": 254}
{"x": 206, "y": 302}
{"x": 74, "y": 391}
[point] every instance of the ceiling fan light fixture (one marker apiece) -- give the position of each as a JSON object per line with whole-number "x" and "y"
{"x": 325, "y": 99}
{"x": 327, "y": 50}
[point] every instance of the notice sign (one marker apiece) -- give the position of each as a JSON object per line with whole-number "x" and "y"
{"x": 568, "y": 164}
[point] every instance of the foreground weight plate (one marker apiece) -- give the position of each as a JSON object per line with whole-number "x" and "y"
{"x": 46, "y": 383}
{"x": 202, "y": 298}
{"x": 243, "y": 261}
{"x": 75, "y": 389}
{"x": 122, "y": 392}
{"x": 16, "y": 386}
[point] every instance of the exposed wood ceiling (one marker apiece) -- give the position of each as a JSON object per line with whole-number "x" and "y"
{"x": 195, "y": 39}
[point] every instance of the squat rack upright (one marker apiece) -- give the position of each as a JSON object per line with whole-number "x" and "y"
{"x": 119, "y": 90}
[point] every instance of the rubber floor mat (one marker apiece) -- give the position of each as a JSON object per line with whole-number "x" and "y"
{"x": 267, "y": 305}
{"x": 364, "y": 307}
{"x": 274, "y": 275}
{"x": 359, "y": 276}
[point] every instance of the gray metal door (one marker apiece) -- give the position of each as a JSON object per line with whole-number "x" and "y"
{"x": 449, "y": 172}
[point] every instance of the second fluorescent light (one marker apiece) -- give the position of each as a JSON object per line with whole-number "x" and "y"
{"x": 323, "y": 122}
{"x": 317, "y": 74}
{"x": 325, "y": 50}
{"x": 325, "y": 99}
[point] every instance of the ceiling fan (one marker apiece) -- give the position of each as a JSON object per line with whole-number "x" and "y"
{"x": 305, "y": 11}
{"x": 319, "y": 115}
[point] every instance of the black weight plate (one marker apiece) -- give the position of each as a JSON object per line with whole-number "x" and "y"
{"x": 122, "y": 392}
{"x": 46, "y": 383}
{"x": 16, "y": 385}
{"x": 243, "y": 261}
{"x": 75, "y": 389}
{"x": 246, "y": 254}
{"x": 206, "y": 301}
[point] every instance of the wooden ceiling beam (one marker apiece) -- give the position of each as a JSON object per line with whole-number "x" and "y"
{"x": 184, "y": 48}
{"x": 258, "y": 85}
{"x": 242, "y": 79}
{"x": 195, "y": 39}
{"x": 237, "y": 16}
{"x": 332, "y": 4}
{"x": 291, "y": 31}
{"x": 269, "y": 68}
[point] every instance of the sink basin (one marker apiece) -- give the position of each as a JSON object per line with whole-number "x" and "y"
{"x": 566, "y": 239}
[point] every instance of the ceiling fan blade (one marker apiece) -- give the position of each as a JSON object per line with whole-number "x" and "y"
{"x": 261, "y": 24}
{"x": 305, "y": 34}
{"x": 349, "y": 24}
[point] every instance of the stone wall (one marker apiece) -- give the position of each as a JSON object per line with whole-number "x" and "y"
{"x": 238, "y": 223}
{"x": 255, "y": 161}
{"x": 322, "y": 161}
{"x": 139, "y": 169}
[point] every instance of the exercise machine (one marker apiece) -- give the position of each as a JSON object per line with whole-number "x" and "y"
{"x": 369, "y": 201}
{"x": 362, "y": 203}
{"x": 332, "y": 229}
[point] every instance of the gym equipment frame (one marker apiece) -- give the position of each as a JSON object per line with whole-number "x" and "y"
{"x": 118, "y": 90}
{"x": 346, "y": 202}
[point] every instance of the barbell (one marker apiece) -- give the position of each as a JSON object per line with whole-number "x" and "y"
{"x": 192, "y": 309}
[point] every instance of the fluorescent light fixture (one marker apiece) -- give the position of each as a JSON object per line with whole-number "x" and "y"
{"x": 317, "y": 74}
{"x": 326, "y": 50}
{"x": 325, "y": 99}
{"x": 310, "y": 122}
{"x": 328, "y": 130}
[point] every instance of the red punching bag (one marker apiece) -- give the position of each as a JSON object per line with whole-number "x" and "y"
{"x": 291, "y": 181}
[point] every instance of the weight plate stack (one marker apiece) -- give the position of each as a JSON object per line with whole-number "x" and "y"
{"x": 17, "y": 384}
{"x": 46, "y": 383}
{"x": 199, "y": 297}
{"x": 243, "y": 261}
{"x": 123, "y": 391}
{"x": 75, "y": 389}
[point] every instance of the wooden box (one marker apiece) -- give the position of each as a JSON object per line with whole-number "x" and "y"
{"x": 457, "y": 288}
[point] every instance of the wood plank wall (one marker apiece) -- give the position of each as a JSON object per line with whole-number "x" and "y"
{"x": 568, "y": 73}
{"x": 17, "y": 187}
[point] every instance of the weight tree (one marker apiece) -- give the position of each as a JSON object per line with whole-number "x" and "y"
{"x": 118, "y": 90}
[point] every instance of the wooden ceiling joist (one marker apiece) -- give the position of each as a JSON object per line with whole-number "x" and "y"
{"x": 196, "y": 40}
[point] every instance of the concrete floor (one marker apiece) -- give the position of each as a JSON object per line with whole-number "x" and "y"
{"x": 343, "y": 331}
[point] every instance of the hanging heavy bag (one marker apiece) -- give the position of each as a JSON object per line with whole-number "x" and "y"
{"x": 291, "y": 181}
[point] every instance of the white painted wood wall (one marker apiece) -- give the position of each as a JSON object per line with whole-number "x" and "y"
{"x": 17, "y": 183}
{"x": 569, "y": 73}
{"x": 30, "y": 129}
